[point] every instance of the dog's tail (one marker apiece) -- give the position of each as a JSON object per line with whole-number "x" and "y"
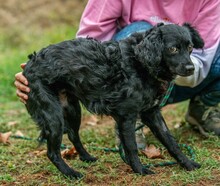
{"x": 45, "y": 109}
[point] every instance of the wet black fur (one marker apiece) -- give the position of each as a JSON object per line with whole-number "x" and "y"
{"x": 122, "y": 79}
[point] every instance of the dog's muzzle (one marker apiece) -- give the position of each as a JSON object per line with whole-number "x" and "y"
{"x": 185, "y": 69}
{"x": 189, "y": 69}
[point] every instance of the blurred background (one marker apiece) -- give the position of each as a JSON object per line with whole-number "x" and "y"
{"x": 27, "y": 26}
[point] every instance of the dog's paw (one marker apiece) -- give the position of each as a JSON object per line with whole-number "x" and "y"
{"x": 88, "y": 159}
{"x": 191, "y": 165}
{"x": 73, "y": 174}
{"x": 142, "y": 170}
{"x": 146, "y": 171}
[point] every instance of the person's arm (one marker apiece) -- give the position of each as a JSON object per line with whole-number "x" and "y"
{"x": 207, "y": 24}
{"x": 99, "y": 19}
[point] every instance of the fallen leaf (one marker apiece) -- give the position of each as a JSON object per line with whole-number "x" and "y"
{"x": 29, "y": 162}
{"x": 178, "y": 125}
{"x": 69, "y": 153}
{"x": 152, "y": 152}
{"x": 40, "y": 152}
{"x": 4, "y": 137}
{"x": 19, "y": 133}
{"x": 92, "y": 120}
{"x": 12, "y": 123}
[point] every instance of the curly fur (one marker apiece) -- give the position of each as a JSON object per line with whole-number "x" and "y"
{"x": 121, "y": 79}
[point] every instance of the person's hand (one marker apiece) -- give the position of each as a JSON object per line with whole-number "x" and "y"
{"x": 21, "y": 84}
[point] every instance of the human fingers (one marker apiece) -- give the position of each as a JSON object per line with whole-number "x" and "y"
{"x": 21, "y": 78}
{"x": 21, "y": 87}
{"x": 22, "y": 96}
{"x": 23, "y": 65}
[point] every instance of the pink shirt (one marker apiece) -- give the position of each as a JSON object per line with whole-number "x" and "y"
{"x": 101, "y": 18}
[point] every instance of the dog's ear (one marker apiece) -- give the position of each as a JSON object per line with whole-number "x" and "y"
{"x": 196, "y": 38}
{"x": 160, "y": 24}
{"x": 32, "y": 56}
{"x": 149, "y": 50}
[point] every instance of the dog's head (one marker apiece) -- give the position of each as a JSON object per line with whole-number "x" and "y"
{"x": 170, "y": 45}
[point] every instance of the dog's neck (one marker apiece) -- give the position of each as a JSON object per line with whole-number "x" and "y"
{"x": 161, "y": 73}
{"x": 164, "y": 74}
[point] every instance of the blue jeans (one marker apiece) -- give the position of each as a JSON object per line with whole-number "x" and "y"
{"x": 208, "y": 89}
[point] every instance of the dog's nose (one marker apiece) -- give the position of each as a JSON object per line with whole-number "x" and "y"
{"x": 190, "y": 69}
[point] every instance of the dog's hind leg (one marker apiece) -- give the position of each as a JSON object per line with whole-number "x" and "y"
{"x": 45, "y": 108}
{"x": 154, "y": 120}
{"x": 54, "y": 139}
{"x": 72, "y": 116}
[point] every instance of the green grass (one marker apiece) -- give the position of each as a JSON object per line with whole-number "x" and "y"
{"x": 19, "y": 165}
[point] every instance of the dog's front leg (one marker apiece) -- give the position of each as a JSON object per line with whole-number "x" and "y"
{"x": 126, "y": 127}
{"x": 154, "y": 120}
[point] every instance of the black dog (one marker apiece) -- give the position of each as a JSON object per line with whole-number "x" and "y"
{"x": 122, "y": 79}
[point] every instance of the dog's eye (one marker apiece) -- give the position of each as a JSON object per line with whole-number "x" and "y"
{"x": 173, "y": 50}
{"x": 190, "y": 48}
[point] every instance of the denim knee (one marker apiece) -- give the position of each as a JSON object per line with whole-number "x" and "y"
{"x": 139, "y": 26}
{"x": 211, "y": 98}
{"x": 211, "y": 95}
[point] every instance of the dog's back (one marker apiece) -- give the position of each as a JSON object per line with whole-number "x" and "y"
{"x": 66, "y": 58}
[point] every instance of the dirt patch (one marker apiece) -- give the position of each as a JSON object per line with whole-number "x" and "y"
{"x": 41, "y": 13}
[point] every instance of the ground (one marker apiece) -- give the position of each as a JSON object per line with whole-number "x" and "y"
{"x": 41, "y": 13}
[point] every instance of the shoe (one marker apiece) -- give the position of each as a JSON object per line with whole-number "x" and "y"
{"x": 139, "y": 134}
{"x": 205, "y": 118}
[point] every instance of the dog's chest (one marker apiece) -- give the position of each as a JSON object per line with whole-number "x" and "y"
{"x": 156, "y": 96}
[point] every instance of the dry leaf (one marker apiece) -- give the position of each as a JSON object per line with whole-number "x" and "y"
{"x": 29, "y": 162}
{"x": 152, "y": 152}
{"x": 12, "y": 123}
{"x": 4, "y": 137}
{"x": 40, "y": 152}
{"x": 69, "y": 153}
{"x": 19, "y": 133}
{"x": 92, "y": 120}
{"x": 178, "y": 125}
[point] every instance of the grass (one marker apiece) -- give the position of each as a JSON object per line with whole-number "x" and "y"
{"x": 16, "y": 45}
{"x": 20, "y": 166}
